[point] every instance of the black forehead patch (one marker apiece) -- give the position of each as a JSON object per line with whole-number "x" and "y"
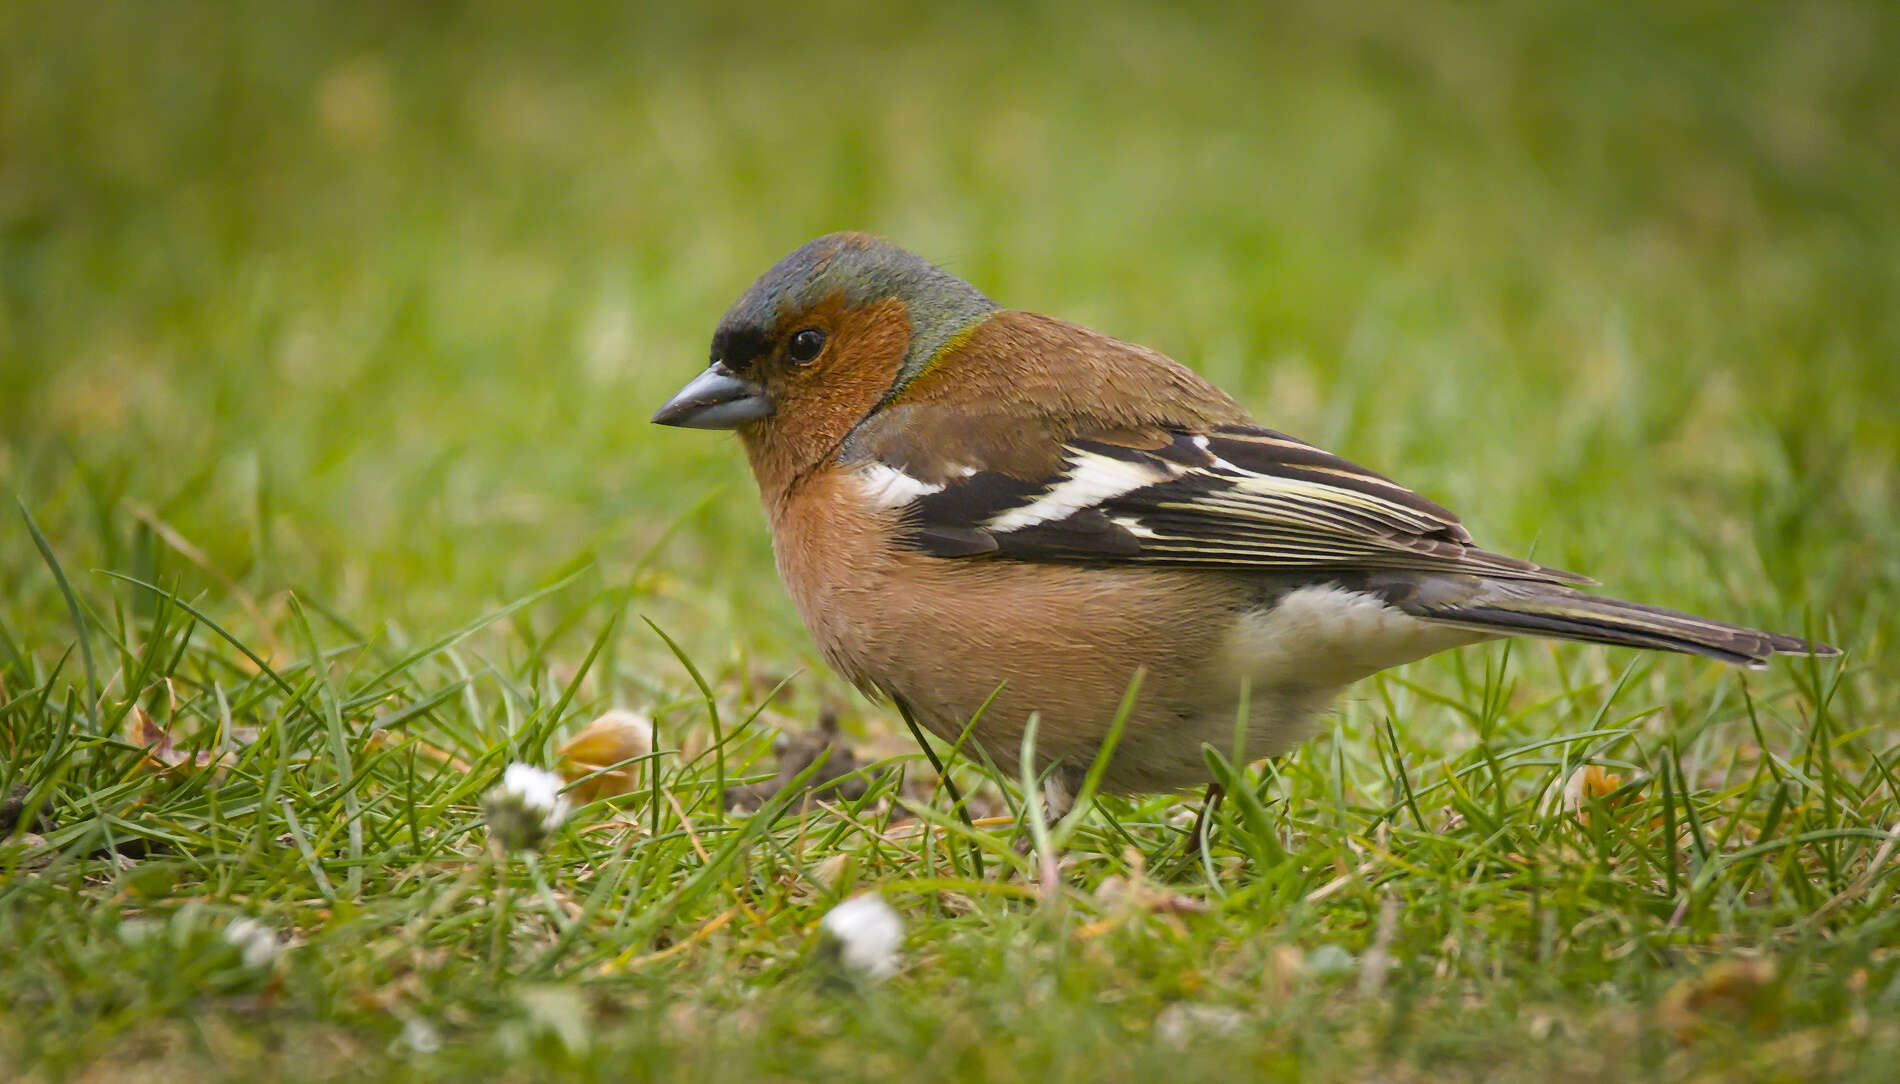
{"x": 740, "y": 345}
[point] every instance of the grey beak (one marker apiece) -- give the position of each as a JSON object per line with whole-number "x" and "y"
{"x": 715, "y": 399}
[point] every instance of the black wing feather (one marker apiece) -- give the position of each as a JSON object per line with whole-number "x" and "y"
{"x": 1235, "y": 497}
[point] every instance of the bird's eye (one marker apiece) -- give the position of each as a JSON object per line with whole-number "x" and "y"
{"x": 805, "y": 344}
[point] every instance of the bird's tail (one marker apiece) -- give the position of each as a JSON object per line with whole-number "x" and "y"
{"x": 1539, "y": 609}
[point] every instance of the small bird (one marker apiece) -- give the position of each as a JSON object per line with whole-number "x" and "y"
{"x": 984, "y": 513}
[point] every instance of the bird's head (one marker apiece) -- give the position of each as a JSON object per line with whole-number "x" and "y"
{"x": 821, "y": 341}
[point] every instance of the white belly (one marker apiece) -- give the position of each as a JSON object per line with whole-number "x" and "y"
{"x": 1291, "y": 660}
{"x": 1294, "y": 659}
{"x": 1326, "y": 637}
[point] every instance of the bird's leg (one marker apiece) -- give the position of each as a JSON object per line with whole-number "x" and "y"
{"x": 1058, "y": 795}
{"x": 1209, "y": 803}
{"x": 1059, "y": 789}
{"x": 943, "y": 775}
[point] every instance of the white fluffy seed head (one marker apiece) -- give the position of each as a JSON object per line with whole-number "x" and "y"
{"x": 256, "y": 942}
{"x": 865, "y": 932}
{"x": 525, "y": 807}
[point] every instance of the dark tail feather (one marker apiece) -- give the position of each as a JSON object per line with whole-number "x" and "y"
{"x": 1543, "y": 610}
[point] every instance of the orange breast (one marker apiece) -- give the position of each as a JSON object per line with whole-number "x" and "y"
{"x": 1059, "y": 640}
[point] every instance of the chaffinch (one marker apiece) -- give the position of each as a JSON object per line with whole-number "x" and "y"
{"x": 979, "y": 509}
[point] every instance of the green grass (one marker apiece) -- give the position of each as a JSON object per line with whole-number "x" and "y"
{"x": 327, "y": 340}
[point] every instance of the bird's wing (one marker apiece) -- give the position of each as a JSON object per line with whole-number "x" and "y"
{"x": 1233, "y": 496}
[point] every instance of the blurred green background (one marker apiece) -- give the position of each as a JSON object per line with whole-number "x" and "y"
{"x": 373, "y": 301}
{"x": 370, "y": 303}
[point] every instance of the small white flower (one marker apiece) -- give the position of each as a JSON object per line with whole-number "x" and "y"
{"x": 525, "y": 807}
{"x": 865, "y": 933}
{"x": 137, "y": 931}
{"x": 1180, "y": 1023}
{"x": 420, "y": 1036}
{"x": 1328, "y": 959}
{"x": 257, "y": 942}
{"x": 537, "y": 788}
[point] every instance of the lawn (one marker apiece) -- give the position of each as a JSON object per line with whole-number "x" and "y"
{"x": 328, "y": 336}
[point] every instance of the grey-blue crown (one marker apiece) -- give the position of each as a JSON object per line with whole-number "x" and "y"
{"x": 865, "y": 270}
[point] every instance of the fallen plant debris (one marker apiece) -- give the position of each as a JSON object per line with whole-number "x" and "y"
{"x": 1740, "y": 993}
{"x": 604, "y": 758}
{"x": 13, "y": 811}
{"x": 839, "y": 767}
{"x": 162, "y": 754}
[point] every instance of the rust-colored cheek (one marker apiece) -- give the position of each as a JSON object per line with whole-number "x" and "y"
{"x": 818, "y": 404}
